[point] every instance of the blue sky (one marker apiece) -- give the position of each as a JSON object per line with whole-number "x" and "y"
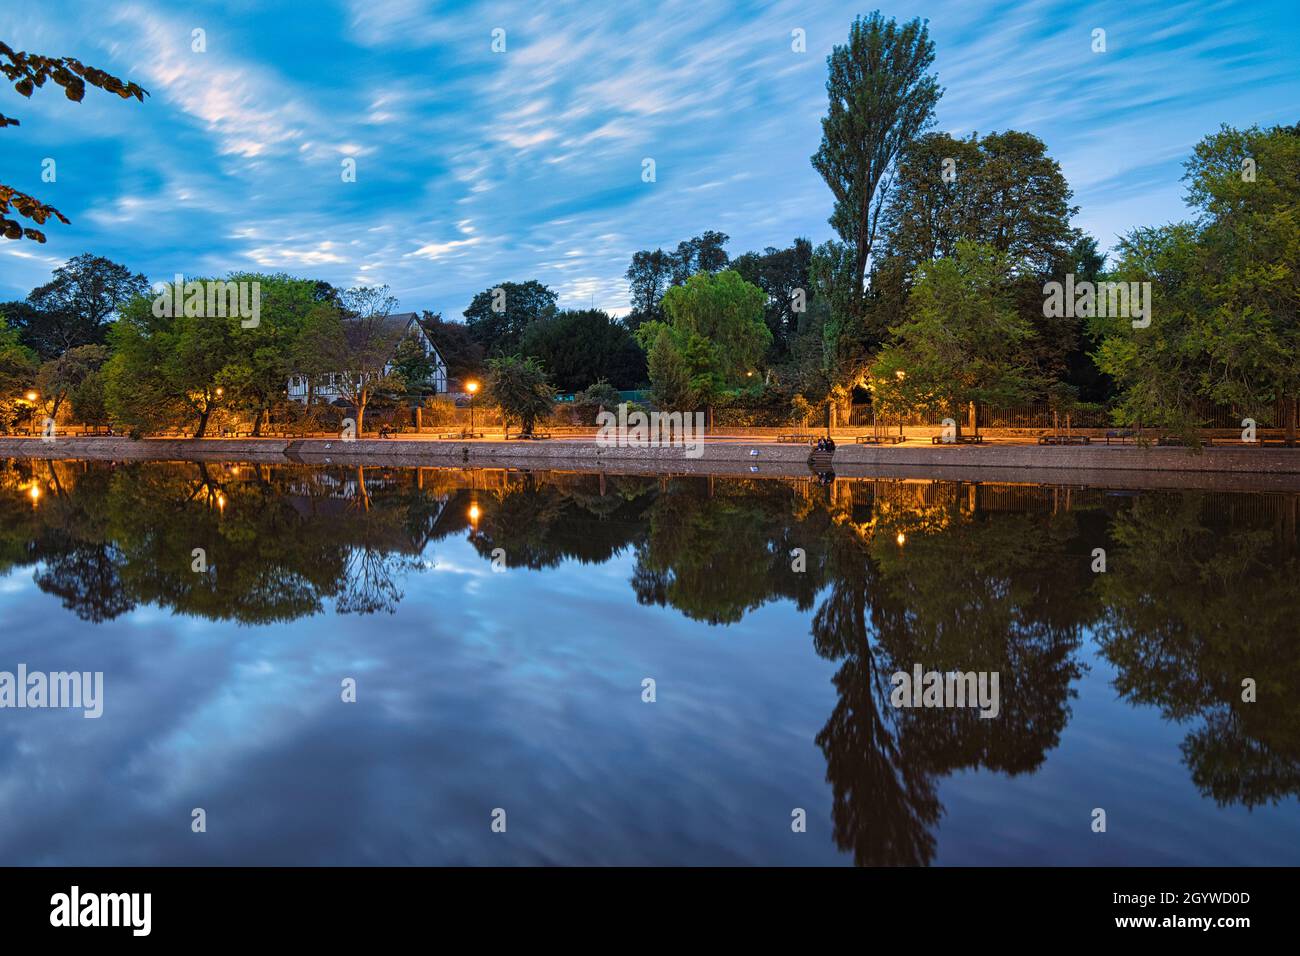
{"x": 474, "y": 167}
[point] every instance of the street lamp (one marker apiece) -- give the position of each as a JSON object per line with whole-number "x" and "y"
{"x": 471, "y": 387}
{"x": 31, "y": 397}
{"x": 900, "y": 375}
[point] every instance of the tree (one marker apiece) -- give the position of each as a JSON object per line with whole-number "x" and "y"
{"x": 77, "y": 305}
{"x": 464, "y": 356}
{"x": 781, "y": 274}
{"x": 520, "y": 388}
{"x": 1001, "y": 190}
{"x": 165, "y": 369}
{"x": 653, "y": 272}
{"x": 880, "y": 97}
{"x": 702, "y": 253}
{"x": 18, "y": 366}
{"x": 581, "y": 346}
{"x": 648, "y": 276}
{"x": 1225, "y": 291}
{"x": 415, "y": 369}
{"x": 1249, "y": 252}
{"x": 498, "y": 316}
{"x": 356, "y": 349}
{"x": 261, "y": 358}
{"x": 59, "y": 378}
{"x": 27, "y": 72}
{"x": 713, "y": 336}
{"x": 962, "y": 341}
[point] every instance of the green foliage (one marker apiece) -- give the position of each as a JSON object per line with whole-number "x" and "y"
{"x": 880, "y": 96}
{"x": 29, "y": 72}
{"x": 166, "y": 370}
{"x": 962, "y": 340}
{"x": 464, "y": 356}
{"x": 414, "y": 369}
{"x": 579, "y": 347}
{"x": 780, "y": 273}
{"x": 520, "y": 388}
{"x": 76, "y": 306}
{"x": 59, "y": 378}
{"x": 18, "y": 367}
{"x": 714, "y": 335}
{"x": 520, "y": 303}
{"x": 1226, "y": 289}
{"x": 597, "y": 397}
{"x": 652, "y": 272}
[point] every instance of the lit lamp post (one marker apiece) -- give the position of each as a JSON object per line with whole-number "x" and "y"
{"x": 31, "y": 396}
{"x": 471, "y": 387}
{"x": 900, "y": 375}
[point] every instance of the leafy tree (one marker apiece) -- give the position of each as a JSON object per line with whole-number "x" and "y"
{"x": 595, "y": 398}
{"x": 415, "y": 370}
{"x": 653, "y": 272}
{"x": 962, "y": 341}
{"x": 18, "y": 367}
{"x": 520, "y": 304}
{"x": 88, "y": 401}
{"x": 713, "y": 336}
{"x": 59, "y": 378}
{"x": 780, "y": 273}
{"x": 520, "y": 388}
{"x": 261, "y": 357}
{"x": 463, "y": 355}
{"x": 880, "y": 97}
{"x": 581, "y": 346}
{"x": 649, "y": 275}
{"x": 356, "y": 349}
{"x": 1249, "y": 246}
{"x": 27, "y": 72}
{"x": 702, "y": 253}
{"x": 1001, "y": 190}
{"x": 77, "y": 305}
{"x": 166, "y": 370}
{"x": 1225, "y": 290}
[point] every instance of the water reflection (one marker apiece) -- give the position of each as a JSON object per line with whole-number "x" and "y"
{"x": 1198, "y": 593}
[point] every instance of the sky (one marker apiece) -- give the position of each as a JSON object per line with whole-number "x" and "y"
{"x": 475, "y": 167}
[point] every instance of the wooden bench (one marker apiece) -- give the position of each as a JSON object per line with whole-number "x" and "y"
{"x": 1064, "y": 440}
{"x": 879, "y": 440}
{"x": 797, "y": 438}
{"x": 958, "y": 440}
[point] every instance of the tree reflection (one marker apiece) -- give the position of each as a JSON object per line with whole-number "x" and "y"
{"x": 1197, "y": 596}
{"x": 1201, "y": 596}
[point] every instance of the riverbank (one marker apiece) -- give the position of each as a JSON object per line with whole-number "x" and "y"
{"x": 1253, "y": 469}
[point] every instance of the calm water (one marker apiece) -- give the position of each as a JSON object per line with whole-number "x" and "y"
{"x": 521, "y": 687}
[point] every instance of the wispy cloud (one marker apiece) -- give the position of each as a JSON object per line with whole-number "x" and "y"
{"x": 473, "y": 167}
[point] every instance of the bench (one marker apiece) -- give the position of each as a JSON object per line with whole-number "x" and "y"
{"x": 879, "y": 440}
{"x": 1122, "y": 435}
{"x": 957, "y": 440}
{"x": 797, "y": 438}
{"x": 1064, "y": 440}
